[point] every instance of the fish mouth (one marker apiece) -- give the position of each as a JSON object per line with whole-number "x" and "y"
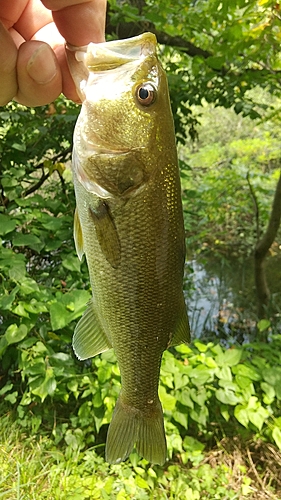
{"x": 109, "y": 55}
{"x": 100, "y": 57}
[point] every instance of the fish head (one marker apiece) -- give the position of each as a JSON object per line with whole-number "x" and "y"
{"x": 125, "y": 101}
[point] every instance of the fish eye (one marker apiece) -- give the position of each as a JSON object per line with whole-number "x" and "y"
{"x": 146, "y": 94}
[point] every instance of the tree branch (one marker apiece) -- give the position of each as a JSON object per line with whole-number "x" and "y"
{"x": 38, "y": 184}
{"x": 127, "y": 30}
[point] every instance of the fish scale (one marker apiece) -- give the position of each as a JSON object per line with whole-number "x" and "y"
{"x": 129, "y": 224}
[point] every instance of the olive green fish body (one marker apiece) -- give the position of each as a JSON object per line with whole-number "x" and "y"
{"x": 129, "y": 224}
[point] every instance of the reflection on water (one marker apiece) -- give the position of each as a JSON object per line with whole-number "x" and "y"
{"x": 221, "y": 299}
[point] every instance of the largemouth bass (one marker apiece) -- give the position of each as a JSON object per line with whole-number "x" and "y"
{"x": 129, "y": 224}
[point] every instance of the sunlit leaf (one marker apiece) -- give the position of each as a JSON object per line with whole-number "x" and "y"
{"x": 227, "y": 396}
{"x": 276, "y": 434}
{"x": 241, "y": 415}
{"x": 15, "y": 333}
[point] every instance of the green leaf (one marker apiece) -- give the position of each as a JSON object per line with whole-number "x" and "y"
{"x": 69, "y": 307}
{"x": 215, "y": 62}
{"x": 276, "y": 434}
{"x": 225, "y": 412}
{"x": 269, "y": 392}
{"x": 201, "y": 347}
{"x": 35, "y": 307}
{"x": 185, "y": 399}
{"x": 19, "y": 146}
{"x": 227, "y": 396}
{"x": 199, "y": 396}
{"x": 7, "y": 224}
{"x": 200, "y": 375}
{"x": 60, "y": 316}
{"x": 141, "y": 483}
{"x": 180, "y": 380}
{"x": 192, "y": 444}
{"x": 17, "y": 272}
{"x": 15, "y": 333}
{"x": 7, "y": 387}
{"x": 28, "y": 285}
{"x": 28, "y": 240}
{"x": 200, "y": 416}
{"x": 272, "y": 376}
{"x": 72, "y": 263}
{"x": 263, "y": 325}
{"x": 52, "y": 223}
{"x": 7, "y": 300}
{"x": 224, "y": 373}
{"x": 247, "y": 371}
{"x": 12, "y": 397}
{"x": 241, "y": 414}
{"x": 242, "y": 381}
{"x": 231, "y": 357}
{"x": 168, "y": 401}
{"x": 258, "y": 416}
{"x": 47, "y": 387}
{"x": 181, "y": 418}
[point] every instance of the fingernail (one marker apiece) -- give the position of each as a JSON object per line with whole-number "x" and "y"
{"x": 42, "y": 65}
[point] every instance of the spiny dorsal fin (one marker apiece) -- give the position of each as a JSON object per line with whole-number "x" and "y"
{"x": 89, "y": 338}
{"x": 78, "y": 236}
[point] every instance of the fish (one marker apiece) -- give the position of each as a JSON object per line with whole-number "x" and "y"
{"x": 129, "y": 224}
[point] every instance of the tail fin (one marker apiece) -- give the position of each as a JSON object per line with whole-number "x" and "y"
{"x": 129, "y": 427}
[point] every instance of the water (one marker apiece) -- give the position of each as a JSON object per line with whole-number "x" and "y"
{"x": 221, "y": 298}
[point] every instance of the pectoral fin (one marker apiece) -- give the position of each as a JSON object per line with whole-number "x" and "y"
{"x": 78, "y": 236}
{"x": 106, "y": 232}
{"x": 89, "y": 338}
{"x": 182, "y": 332}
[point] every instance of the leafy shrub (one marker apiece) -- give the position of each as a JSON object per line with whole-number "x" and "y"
{"x": 205, "y": 389}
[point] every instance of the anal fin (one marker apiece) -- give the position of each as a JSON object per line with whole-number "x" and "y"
{"x": 89, "y": 338}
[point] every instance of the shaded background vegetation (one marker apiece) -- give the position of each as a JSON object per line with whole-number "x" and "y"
{"x": 223, "y": 64}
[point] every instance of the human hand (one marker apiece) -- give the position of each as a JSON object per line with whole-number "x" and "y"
{"x": 33, "y": 66}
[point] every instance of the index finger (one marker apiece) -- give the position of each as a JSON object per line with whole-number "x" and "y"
{"x": 7, "y": 64}
{"x": 79, "y": 21}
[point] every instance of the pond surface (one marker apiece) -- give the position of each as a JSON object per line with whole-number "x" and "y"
{"x": 221, "y": 298}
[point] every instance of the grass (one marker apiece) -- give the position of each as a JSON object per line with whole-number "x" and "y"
{"x": 23, "y": 464}
{"x": 255, "y": 466}
{"x": 31, "y": 468}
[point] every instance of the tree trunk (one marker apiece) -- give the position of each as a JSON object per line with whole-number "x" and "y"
{"x": 261, "y": 250}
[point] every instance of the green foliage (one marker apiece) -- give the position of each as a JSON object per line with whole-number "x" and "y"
{"x": 212, "y": 50}
{"x": 204, "y": 390}
{"x": 34, "y": 469}
{"x": 219, "y": 176}
{"x": 207, "y": 391}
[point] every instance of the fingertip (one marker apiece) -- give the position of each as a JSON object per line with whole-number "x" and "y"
{"x": 39, "y": 75}
{"x": 68, "y": 85}
{"x": 8, "y": 61}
